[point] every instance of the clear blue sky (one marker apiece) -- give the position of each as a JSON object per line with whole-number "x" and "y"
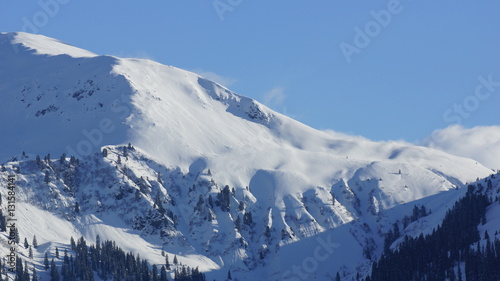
{"x": 418, "y": 72}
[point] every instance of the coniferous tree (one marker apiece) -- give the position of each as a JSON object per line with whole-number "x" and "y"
{"x": 54, "y": 274}
{"x": 3, "y": 224}
{"x": 30, "y": 253}
{"x": 163, "y": 274}
{"x": 34, "y": 274}
{"x": 46, "y": 261}
{"x": 225, "y": 199}
{"x": 47, "y": 177}
{"x": 57, "y": 252}
{"x": 125, "y": 152}
{"x": 435, "y": 256}
{"x": 154, "y": 274}
{"x": 17, "y": 239}
{"x": 26, "y": 245}
{"x": 176, "y": 262}
{"x": 34, "y": 242}
{"x": 26, "y": 273}
{"x": 73, "y": 244}
{"x": 62, "y": 160}
{"x": 19, "y": 269}
{"x": 167, "y": 263}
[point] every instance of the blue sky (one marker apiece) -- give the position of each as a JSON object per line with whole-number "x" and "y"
{"x": 380, "y": 69}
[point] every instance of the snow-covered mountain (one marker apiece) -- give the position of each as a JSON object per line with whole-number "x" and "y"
{"x": 213, "y": 177}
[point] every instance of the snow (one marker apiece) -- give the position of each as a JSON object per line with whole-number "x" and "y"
{"x": 60, "y": 99}
{"x": 43, "y": 45}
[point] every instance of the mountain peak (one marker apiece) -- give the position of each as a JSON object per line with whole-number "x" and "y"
{"x": 150, "y": 135}
{"x": 42, "y": 45}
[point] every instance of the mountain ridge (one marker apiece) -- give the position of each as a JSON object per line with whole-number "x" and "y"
{"x": 189, "y": 139}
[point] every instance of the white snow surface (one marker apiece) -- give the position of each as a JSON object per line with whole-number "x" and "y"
{"x": 59, "y": 99}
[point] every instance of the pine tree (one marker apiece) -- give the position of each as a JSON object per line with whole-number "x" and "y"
{"x": 16, "y": 231}
{"x": 176, "y": 262}
{"x": 30, "y": 253}
{"x": 35, "y": 274}
{"x": 46, "y": 261}
{"x": 34, "y": 242}
{"x": 19, "y": 268}
{"x": 54, "y": 275}
{"x": 3, "y": 224}
{"x": 163, "y": 274}
{"x": 73, "y": 244}
{"x": 225, "y": 199}
{"x": 125, "y": 152}
{"x": 47, "y": 177}
{"x": 26, "y": 245}
{"x": 26, "y": 273}
{"x": 154, "y": 273}
{"x": 337, "y": 277}
{"x": 167, "y": 263}
{"x": 459, "y": 273}
{"x": 62, "y": 160}
{"x": 57, "y": 252}
{"x": 229, "y": 275}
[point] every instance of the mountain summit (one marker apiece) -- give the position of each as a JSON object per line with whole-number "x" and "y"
{"x": 190, "y": 138}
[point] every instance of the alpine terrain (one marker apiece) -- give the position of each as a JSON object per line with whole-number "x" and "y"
{"x": 105, "y": 155}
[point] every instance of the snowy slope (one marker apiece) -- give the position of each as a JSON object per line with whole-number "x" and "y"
{"x": 305, "y": 185}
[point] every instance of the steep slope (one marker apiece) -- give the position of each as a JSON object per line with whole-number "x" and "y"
{"x": 191, "y": 138}
{"x": 463, "y": 243}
